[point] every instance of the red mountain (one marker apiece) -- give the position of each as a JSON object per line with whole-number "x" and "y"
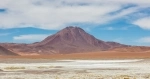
{"x": 68, "y": 40}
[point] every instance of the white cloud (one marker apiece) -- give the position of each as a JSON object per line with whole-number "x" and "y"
{"x": 115, "y": 28}
{"x": 30, "y": 38}
{"x": 56, "y": 14}
{"x": 143, "y": 23}
{"x": 110, "y": 28}
{"x": 144, "y": 40}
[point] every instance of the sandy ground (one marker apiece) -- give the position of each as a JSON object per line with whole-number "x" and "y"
{"x": 87, "y": 55}
{"x": 74, "y": 69}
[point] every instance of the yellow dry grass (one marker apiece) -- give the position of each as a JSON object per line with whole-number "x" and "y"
{"x": 14, "y": 68}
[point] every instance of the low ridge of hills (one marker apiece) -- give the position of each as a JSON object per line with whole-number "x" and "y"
{"x": 133, "y": 49}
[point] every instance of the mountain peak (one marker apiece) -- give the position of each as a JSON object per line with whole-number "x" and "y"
{"x": 73, "y": 39}
{"x": 67, "y": 35}
{"x": 72, "y": 27}
{"x": 74, "y": 31}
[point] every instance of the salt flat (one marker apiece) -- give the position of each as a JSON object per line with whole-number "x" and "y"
{"x": 75, "y": 69}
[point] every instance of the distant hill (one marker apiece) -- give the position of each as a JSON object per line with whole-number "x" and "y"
{"x": 4, "y": 51}
{"x": 133, "y": 49}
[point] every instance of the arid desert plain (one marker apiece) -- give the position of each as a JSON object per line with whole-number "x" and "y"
{"x": 74, "y": 69}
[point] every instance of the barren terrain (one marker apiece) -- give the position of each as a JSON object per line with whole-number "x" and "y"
{"x": 88, "y": 55}
{"x": 74, "y": 69}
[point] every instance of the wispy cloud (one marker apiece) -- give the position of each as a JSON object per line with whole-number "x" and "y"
{"x": 114, "y": 28}
{"x": 56, "y": 14}
{"x": 144, "y": 40}
{"x": 30, "y": 38}
{"x": 110, "y": 28}
{"x": 143, "y": 22}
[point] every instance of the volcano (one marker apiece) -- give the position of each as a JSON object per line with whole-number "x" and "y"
{"x": 68, "y": 40}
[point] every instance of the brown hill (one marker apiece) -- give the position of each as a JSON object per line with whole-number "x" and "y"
{"x": 68, "y": 40}
{"x": 4, "y": 51}
{"x": 133, "y": 49}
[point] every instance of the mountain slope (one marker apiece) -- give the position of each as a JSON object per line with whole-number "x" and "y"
{"x": 68, "y": 40}
{"x": 4, "y": 51}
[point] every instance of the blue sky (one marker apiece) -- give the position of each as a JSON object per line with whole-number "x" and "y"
{"x": 123, "y": 21}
